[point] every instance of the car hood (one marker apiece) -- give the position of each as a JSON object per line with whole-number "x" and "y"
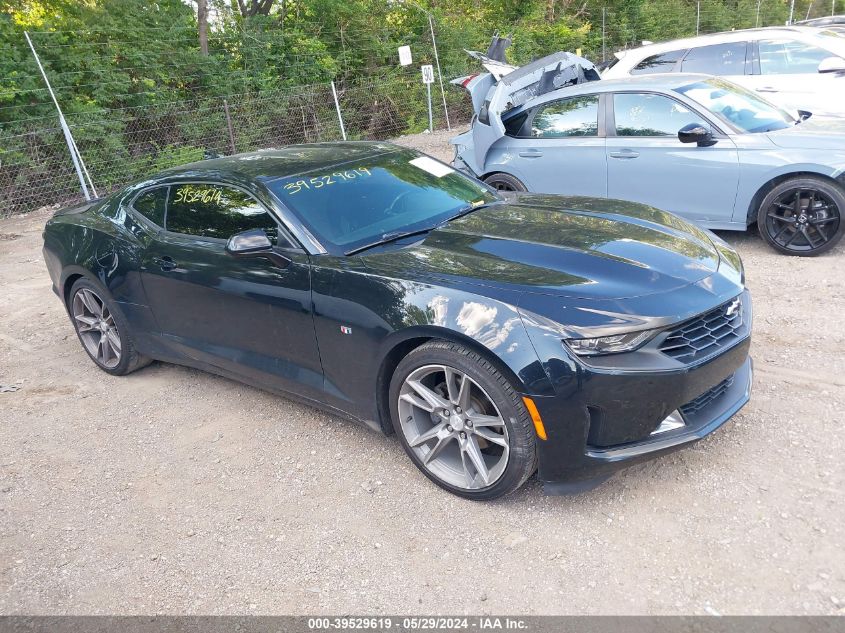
{"x": 817, "y": 132}
{"x": 577, "y": 247}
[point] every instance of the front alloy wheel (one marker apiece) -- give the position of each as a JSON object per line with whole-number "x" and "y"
{"x": 461, "y": 421}
{"x": 453, "y": 426}
{"x": 802, "y": 216}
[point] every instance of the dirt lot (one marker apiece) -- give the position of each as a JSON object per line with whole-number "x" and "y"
{"x": 175, "y": 491}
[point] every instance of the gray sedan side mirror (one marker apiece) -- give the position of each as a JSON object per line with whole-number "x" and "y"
{"x": 832, "y": 65}
{"x": 696, "y": 133}
{"x": 255, "y": 243}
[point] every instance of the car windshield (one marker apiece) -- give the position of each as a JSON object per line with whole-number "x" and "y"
{"x": 350, "y": 205}
{"x": 740, "y": 107}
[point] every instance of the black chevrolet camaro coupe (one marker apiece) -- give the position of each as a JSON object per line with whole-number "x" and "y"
{"x": 494, "y": 335}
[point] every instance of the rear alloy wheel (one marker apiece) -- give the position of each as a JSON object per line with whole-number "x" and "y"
{"x": 802, "y": 216}
{"x": 504, "y": 182}
{"x": 102, "y": 330}
{"x": 461, "y": 421}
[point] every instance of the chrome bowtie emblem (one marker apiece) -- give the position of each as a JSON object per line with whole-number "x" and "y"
{"x": 734, "y": 307}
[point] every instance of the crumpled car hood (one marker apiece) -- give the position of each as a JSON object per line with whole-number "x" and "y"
{"x": 576, "y": 247}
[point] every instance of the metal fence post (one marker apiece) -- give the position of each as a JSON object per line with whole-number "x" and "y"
{"x": 439, "y": 74}
{"x": 229, "y": 125}
{"x": 337, "y": 107}
{"x": 603, "y": 34}
{"x": 697, "y": 17}
{"x": 75, "y": 156}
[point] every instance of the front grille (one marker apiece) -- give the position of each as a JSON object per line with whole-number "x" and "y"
{"x": 694, "y": 406}
{"x": 705, "y": 334}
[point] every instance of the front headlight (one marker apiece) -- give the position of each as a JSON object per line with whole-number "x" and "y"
{"x": 610, "y": 344}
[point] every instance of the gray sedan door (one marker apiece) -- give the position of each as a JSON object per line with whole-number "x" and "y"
{"x": 562, "y": 149}
{"x": 647, "y": 163}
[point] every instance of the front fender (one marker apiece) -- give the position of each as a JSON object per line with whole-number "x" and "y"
{"x": 362, "y": 318}
{"x": 756, "y": 177}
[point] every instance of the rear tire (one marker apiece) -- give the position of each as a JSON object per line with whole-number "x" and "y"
{"x": 505, "y": 182}
{"x": 802, "y": 216}
{"x": 462, "y": 422}
{"x": 102, "y": 329}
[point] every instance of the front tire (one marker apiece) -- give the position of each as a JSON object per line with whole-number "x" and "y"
{"x": 102, "y": 329}
{"x": 802, "y": 216}
{"x": 462, "y": 422}
{"x": 505, "y": 182}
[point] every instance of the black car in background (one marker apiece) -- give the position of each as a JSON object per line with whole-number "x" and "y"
{"x": 494, "y": 335}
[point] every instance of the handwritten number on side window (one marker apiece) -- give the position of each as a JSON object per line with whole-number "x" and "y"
{"x": 189, "y": 194}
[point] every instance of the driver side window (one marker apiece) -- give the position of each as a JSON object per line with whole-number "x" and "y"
{"x": 217, "y": 212}
{"x": 650, "y": 115}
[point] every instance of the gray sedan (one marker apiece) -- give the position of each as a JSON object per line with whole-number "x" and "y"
{"x": 698, "y": 146}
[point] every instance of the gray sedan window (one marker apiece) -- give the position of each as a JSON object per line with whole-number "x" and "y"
{"x": 650, "y": 115}
{"x": 576, "y": 116}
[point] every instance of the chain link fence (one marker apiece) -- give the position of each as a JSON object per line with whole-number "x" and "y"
{"x": 122, "y": 144}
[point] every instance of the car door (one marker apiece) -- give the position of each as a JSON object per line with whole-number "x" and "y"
{"x": 786, "y": 72}
{"x": 647, "y": 163}
{"x": 560, "y": 149}
{"x": 249, "y": 316}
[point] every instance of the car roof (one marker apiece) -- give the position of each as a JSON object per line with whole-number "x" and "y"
{"x": 290, "y": 160}
{"x": 715, "y": 38}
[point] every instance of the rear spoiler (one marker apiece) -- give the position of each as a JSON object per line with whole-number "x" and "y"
{"x": 79, "y": 207}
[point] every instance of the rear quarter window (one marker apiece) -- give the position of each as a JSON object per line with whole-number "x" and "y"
{"x": 151, "y": 204}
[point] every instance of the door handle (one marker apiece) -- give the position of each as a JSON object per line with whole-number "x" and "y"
{"x": 531, "y": 153}
{"x": 767, "y": 89}
{"x": 165, "y": 263}
{"x": 624, "y": 153}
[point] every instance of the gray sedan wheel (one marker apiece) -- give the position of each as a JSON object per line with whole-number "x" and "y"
{"x": 504, "y": 182}
{"x": 802, "y": 216}
{"x": 462, "y": 422}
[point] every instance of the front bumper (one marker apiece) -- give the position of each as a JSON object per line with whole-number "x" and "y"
{"x": 610, "y": 421}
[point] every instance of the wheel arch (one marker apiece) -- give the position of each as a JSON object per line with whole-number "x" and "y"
{"x": 763, "y": 191}
{"x": 403, "y": 343}
{"x": 500, "y": 169}
{"x": 73, "y": 273}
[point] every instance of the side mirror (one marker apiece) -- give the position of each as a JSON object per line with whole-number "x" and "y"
{"x": 832, "y": 65}
{"x": 255, "y": 243}
{"x": 696, "y": 133}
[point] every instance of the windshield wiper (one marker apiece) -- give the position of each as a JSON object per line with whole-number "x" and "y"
{"x": 472, "y": 206}
{"x": 387, "y": 238}
{"x": 393, "y": 236}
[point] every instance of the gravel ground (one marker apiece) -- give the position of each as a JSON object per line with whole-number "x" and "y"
{"x": 175, "y": 491}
